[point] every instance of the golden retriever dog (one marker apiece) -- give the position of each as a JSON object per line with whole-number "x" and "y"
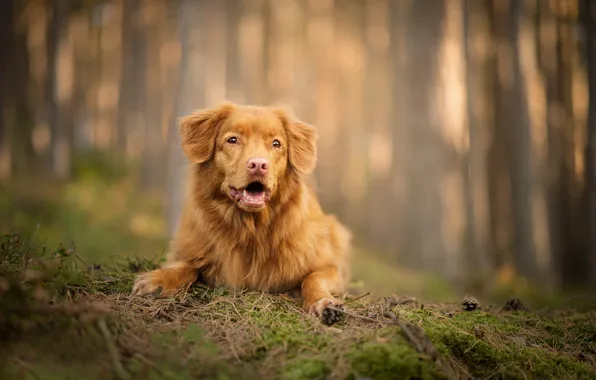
{"x": 249, "y": 221}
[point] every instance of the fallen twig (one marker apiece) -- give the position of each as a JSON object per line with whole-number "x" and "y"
{"x": 149, "y": 363}
{"x": 422, "y": 344}
{"x": 27, "y": 367}
{"x": 411, "y": 337}
{"x": 353, "y": 315}
{"x": 358, "y": 298}
{"x": 400, "y": 301}
{"x": 76, "y": 255}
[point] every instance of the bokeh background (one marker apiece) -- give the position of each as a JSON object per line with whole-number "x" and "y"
{"x": 456, "y": 136}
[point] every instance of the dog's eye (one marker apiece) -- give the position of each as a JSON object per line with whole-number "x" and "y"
{"x": 276, "y": 144}
{"x": 232, "y": 140}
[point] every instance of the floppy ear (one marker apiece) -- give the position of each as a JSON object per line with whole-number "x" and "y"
{"x": 302, "y": 139}
{"x": 199, "y": 129}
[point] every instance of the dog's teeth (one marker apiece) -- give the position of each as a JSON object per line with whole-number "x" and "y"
{"x": 253, "y": 196}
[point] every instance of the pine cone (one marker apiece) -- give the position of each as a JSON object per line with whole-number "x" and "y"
{"x": 514, "y": 304}
{"x": 470, "y": 303}
{"x": 332, "y": 316}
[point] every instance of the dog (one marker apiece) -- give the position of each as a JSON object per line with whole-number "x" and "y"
{"x": 249, "y": 221}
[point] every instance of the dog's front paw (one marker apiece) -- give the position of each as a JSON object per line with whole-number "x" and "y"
{"x": 148, "y": 283}
{"x": 328, "y": 309}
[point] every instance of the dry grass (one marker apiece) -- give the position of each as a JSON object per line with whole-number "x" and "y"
{"x": 59, "y": 322}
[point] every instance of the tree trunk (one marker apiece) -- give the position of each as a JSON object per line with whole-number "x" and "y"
{"x": 321, "y": 35}
{"x": 377, "y": 113}
{"x": 234, "y": 89}
{"x": 191, "y": 95}
{"x": 588, "y": 9}
{"x": 349, "y": 22}
{"x": 132, "y": 98}
{"x": 399, "y": 11}
{"x": 509, "y": 158}
{"x": 478, "y": 115}
{"x": 126, "y": 91}
{"x": 569, "y": 217}
{"x": 252, "y": 40}
{"x": 16, "y": 122}
{"x": 7, "y": 127}
{"x": 424, "y": 150}
{"x": 60, "y": 90}
{"x": 517, "y": 122}
{"x": 152, "y": 162}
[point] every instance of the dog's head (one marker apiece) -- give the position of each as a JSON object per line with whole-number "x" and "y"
{"x": 252, "y": 148}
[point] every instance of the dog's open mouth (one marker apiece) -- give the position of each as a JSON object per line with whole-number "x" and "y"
{"x": 254, "y": 195}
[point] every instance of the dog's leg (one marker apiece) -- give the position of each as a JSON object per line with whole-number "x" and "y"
{"x": 171, "y": 279}
{"x": 317, "y": 288}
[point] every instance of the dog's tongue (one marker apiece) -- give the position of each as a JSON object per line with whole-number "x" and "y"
{"x": 253, "y": 198}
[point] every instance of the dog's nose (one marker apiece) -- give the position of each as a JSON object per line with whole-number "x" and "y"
{"x": 257, "y": 165}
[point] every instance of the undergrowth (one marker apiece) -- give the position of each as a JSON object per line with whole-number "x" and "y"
{"x": 62, "y": 319}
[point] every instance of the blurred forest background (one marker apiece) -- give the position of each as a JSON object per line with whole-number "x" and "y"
{"x": 456, "y": 136}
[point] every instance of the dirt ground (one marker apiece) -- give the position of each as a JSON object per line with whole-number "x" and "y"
{"x": 62, "y": 322}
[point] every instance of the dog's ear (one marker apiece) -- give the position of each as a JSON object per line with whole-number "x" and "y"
{"x": 199, "y": 129}
{"x": 302, "y": 139}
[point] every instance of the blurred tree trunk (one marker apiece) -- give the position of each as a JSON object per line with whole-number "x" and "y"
{"x": 574, "y": 210}
{"x": 547, "y": 58}
{"x": 588, "y": 10}
{"x": 215, "y": 60}
{"x": 509, "y": 157}
{"x": 126, "y": 90}
{"x": 132, "y": 98}
{"x": 252, "y": 35}
{"x": 537, "y": 151}
{"x": 60, "y": 67}
{"x": 518, "y": 124}
{"x": 110, "y": 50}
{"x": 322, "y": 34}
{"x": 284, "y": 25}
{"x": 568, "y": 212}
{"x": 234, "y": 88}
{"x": 477, "y": 42}
{"x": 16, "y": 122}
{"x": 454, "y": 145}
{"x": 38, "y": 16}
{"x": 425, "y": 148}
{"x": 170, "y": 54}
{"x": 82, "y": 114}
{"x": 190, "y": 96}
{"x": 399, "y": 11}
{"x": 152, "y": 162}
{"x": 377, "y": 108}
{"x": 7, "y": 128}
{"x": 349, "y": 21}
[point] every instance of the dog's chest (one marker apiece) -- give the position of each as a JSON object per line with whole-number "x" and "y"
{"x": 261, "y": 267}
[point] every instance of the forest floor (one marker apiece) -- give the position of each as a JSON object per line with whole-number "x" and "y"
{"x": 62, "y": 322}
{"x": 66, "y": 310}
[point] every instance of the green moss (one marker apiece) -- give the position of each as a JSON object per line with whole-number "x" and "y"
{"x": 513, "y": 361}
{"x": 388, "y": 360}
{"x": 280, "y": 327}
{"x": 218, "y": 334}
{"x": 510, "y": 345}
{"x": 305, "y": 368}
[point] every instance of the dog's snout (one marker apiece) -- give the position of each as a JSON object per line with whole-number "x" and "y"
{"x": 257, "y": 165}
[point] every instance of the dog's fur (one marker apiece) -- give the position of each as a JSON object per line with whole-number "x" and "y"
{"x": 287, "y": 243}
